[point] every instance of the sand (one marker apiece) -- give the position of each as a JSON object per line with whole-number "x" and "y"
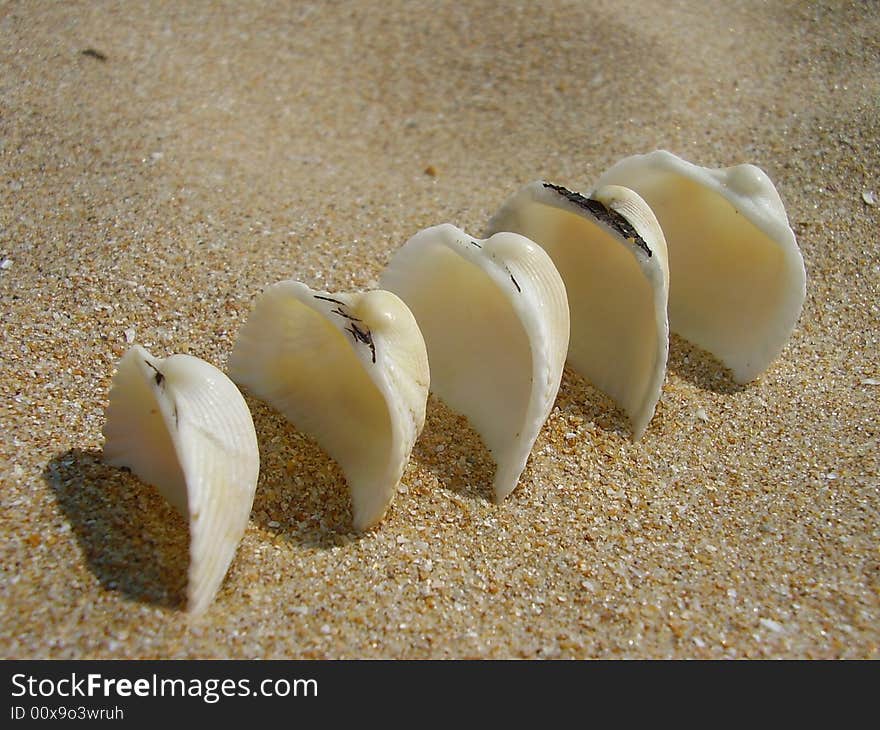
{"x": 149, "y": 190}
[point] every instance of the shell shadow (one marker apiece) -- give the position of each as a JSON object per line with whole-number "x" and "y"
{"x": 133, "y": 541}
{"x": 700, "y": 368}
{"x": 454, "y": 453}
{"x": 302, "y": 495}
{"x": 577, "y": 396}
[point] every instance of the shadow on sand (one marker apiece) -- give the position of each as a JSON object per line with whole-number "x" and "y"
{"x": 131, "y": 538}
{"x": 578, "y": 397}
{"x": 454, "y": 453}
{"x": 700, "y": 368}
{"x": 302, "y": 495}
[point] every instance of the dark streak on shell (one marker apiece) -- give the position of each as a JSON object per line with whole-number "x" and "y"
{"x": 329, "y": 299}
{"x": 358, "y": 335}
{"x": 363, "y": 335}
{"x": 339, "y": 311}
{"x": 601, "y": 213}
{"x": 160, "y": 377}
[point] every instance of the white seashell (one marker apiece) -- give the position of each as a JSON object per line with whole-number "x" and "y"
{"x": 182, "y": 425}
{"x": 611, "y": 254}
{"x": 495, "y": 319}
{"x": 738, "y": 279}
{"x": 351, "y": 371}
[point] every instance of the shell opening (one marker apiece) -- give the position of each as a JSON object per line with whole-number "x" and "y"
{"x": 292, "y": 356}
{"x": 726, "y": 313}
{"x": 480, "y": 356}
{"x": 138, "y": 434}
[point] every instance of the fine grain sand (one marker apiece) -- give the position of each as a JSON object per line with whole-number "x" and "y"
{"x": 150, "y": 188}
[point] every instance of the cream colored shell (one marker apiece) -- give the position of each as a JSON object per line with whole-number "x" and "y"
{"x": 738, "y": 280}
{"x": 351, "y": 371}
{"x": 182, "y": 425}
{"x": 611, "y": 253}
{"x": 494, "y": 315}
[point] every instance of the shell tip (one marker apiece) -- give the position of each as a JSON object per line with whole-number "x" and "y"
{"x": 638, "y": 429}
{"x": 196, "y": 607}
{"x": 364, "y": 520}
{"x": 506, "y": 480}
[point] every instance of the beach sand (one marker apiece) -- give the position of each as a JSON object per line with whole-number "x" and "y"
{"x": 161, "y": 163}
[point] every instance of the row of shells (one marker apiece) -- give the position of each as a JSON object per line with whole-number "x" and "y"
{"x": 487, "y": 324}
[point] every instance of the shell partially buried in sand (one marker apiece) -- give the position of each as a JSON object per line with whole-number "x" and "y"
{"x": 611, "y": 253}
{"x": 738, "y": 281}
{"x": 351, "y": 371}
{"x": 494, "y": 315}
{"x": 181, "y": 425}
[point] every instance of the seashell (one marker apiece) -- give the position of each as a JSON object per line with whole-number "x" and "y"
{"x": 495, "y": 319}
{"x": 351, "y": 371}
{"x": 182, "y": 425}
{"x": 738, "y": 278}
{"x": 611, "y": 254}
